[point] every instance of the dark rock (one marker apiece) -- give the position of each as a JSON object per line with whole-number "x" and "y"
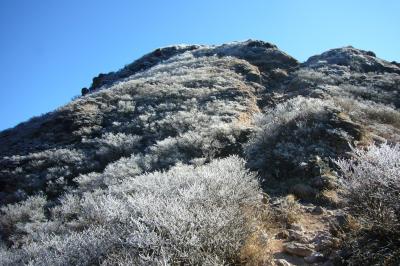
{"x": 318, "y": 210}
{"x": 303, "y": 191}
{"x": 84, "y": 91}
{"x": 395, "y": 63}
{"x": 326, "y": 181}
{"x": 370, "y": 53}
{"x": 253, "y": 77}
{"x": 141, "y": 64}
{"x": 158, "y": 52}
{"x": 257, "y": 43}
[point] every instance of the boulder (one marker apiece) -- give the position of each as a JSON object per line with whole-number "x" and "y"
{"x": 297, "y": 249}
{"x": 298, "y": 236}
{"x": 327, "y": 243}
{"x": 84, "y": 91}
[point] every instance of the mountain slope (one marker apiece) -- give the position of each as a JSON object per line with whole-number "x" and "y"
{"x": 110, "y": 159}
{"x": 195, "y": 105}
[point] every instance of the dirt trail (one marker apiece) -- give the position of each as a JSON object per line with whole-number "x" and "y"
{"x": 308, "y": 241}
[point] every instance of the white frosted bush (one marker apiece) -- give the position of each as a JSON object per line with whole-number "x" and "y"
{"x": 111, "y": 146}
{"x": 20, "y": 219}
{"x": 372, "y": 183}
{"x": 191, "y": 215}
{"x": 285, "y": 131}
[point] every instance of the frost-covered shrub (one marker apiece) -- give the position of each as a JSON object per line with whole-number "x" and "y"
{"x": 215, "y": 141}
{"x": 18, "y": 220}
{"x": 190, "y": 215}
{"x": 49, "y": 171}
{"x": 308, "y": 76}
{"x": 370, "y": 112}
{"x": 371, "y": 183}
{"x": 292, "y": 133}
{"x": 86, "y": 247}
{"x": 113, "y": 174}
{"x": 112, "y": 146}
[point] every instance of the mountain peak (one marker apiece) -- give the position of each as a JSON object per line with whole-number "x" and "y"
{"x": 355, "y": 59}
{"x": 262, "y": 54}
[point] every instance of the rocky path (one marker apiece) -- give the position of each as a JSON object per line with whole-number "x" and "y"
{"x": 308, "y": 241}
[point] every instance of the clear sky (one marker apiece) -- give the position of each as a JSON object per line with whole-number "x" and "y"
{"x": 50, "y": 49}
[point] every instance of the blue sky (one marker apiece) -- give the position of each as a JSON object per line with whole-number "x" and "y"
{"x": 49, "y": 49}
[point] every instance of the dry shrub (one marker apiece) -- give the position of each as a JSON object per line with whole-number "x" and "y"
{"x": 288, "y": 211}
{"x": 256, "y": 251}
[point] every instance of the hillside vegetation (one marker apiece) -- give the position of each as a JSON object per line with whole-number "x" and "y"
{"x": 211, "y": 155}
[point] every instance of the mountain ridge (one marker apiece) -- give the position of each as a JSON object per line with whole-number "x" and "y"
{"x": 268, "y": 73}
{"x": 241, "y": 110}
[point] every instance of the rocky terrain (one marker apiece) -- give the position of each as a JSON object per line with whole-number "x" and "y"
{"x": 211, "y": 155}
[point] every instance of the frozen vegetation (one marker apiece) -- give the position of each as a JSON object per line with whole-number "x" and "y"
{"x": 168, "y": 160}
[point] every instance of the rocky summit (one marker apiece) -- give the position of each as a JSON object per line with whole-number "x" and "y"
{"x": 200, "y": 155}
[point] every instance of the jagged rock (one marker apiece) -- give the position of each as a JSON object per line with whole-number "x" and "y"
{"x": 326, "y": 243}
{"x": 343, "y": 221}
{"x": 297, "y": 249}
{"x": 298, "y": 236}
{"x": 143, "y": 63}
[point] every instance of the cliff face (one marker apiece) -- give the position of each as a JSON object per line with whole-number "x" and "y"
{"x": 195, "y": 104}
